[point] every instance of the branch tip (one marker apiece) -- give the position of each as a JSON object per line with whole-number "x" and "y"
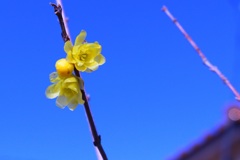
{"x": 52, "y": 4}
{"x": 57, "y": 8}
{"x": 164, "y": 8}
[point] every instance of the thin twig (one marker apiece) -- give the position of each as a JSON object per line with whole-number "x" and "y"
{"x": 59, "y": 2}
{"x": 203, "y": 57}
{"x": 96, "y": 137}
{"x": 58, "y": 12}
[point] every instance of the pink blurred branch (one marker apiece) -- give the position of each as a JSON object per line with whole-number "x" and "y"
{"x": 203, "y": 57}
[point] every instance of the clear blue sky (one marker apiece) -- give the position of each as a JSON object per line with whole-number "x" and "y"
{"x": 151, "y": 100}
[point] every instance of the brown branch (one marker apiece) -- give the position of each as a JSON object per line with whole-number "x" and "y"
{"x": 203, "y": 57}
{"x": 58, "y": 12}
{"x": 96, "y": 137}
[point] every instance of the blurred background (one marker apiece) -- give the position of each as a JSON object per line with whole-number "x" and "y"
{"x": 153, "y": 99}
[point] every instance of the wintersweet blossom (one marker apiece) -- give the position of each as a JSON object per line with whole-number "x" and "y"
{"x": 66, "y": 87}
{"x": 85, "y": 56}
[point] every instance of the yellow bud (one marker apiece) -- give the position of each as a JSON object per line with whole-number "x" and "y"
{"x": 64, "y": 68}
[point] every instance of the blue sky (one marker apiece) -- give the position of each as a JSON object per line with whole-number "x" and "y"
{"x": 151, "y": 100}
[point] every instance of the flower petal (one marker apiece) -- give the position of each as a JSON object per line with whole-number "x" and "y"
{"x": 80, "y": 38}
{"x": 68, "y": 46}
{"x": 88, "y": 70}
{"x": 62, "y": 101}
{"x": 80, "y": 67}
{"x": 79, "y": 98}
{"x": 93, "y": 68}
{"x": 92, "y": 64}
{"x": 91, "y": 56}
{"x": 73, "y": 87}
{"x": 53, "y": 91}
{"x": 95, "y": 47}
{"x": 93, "y": 50}
{"x": 98, "y": 46}
{"x": 54, "y": 77}
{"x": 70, "y": 58}
{"x": 73, "y": 104}
{"x": 100, "y": 59}
{"x": 70, "y": 80}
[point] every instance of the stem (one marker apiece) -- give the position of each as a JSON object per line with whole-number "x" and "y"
{"x": 59, "y": 2}
{"x": 203, "y": 57}
{"x": 96, "y": 137}
{"x": 58, "y": 12}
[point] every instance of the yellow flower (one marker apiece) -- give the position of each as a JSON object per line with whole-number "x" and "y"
{"x": 85, "y": 56}
{"x": 66, "y": 87}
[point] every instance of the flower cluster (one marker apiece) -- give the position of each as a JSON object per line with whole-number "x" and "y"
{"x": 66, "y": 87}
{"x": 85, "y": 56}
